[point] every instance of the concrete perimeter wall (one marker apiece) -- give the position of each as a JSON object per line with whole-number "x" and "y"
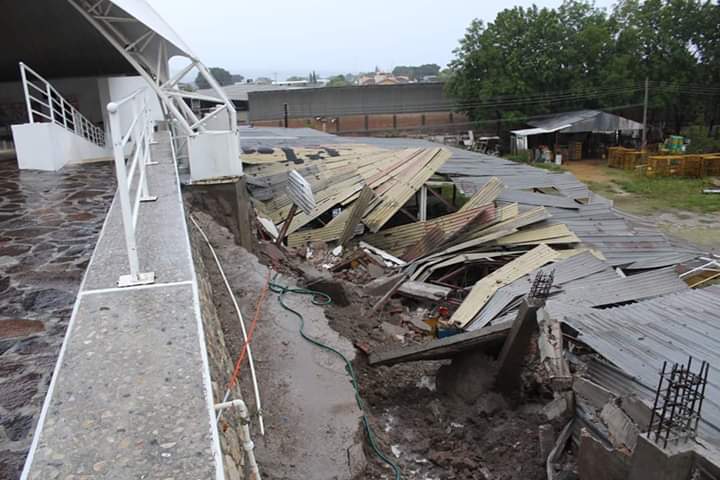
{"x": 367, "y": 109}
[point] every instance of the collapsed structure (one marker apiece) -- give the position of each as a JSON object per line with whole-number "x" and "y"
{"x": 463, "y": 236}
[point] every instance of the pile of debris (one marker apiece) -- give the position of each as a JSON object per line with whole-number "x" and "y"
{"x": 464, "y": 273}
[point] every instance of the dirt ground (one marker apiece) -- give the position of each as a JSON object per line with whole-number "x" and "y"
{"x": 308, "y": 406}
{"x": 429, "y": 434}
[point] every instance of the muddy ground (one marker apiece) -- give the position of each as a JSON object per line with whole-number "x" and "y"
{"x": 429, "y": 433}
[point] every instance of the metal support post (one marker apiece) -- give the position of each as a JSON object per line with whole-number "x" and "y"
{"x": 645, "y": 109}
{"x": 422, "y": 213}
{"x": 135, "y": 277}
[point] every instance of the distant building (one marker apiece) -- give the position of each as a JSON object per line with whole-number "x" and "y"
{"x": 382, "y": 78}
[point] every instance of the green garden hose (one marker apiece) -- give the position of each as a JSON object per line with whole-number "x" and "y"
{"x": 320, "y": 298}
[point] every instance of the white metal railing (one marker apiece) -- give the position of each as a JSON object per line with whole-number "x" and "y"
{"x": 45, "y": 104}
{"x": 133, "y": 140}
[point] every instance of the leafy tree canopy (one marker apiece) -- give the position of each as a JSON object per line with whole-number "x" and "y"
{"x": 416, "y": 72}
{"x": 222, "y": 76}
{"x": 338, "y": 81}
{"x": 530, "y": 61}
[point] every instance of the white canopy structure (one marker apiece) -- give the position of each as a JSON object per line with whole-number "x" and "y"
{"x": 147, "y": 43}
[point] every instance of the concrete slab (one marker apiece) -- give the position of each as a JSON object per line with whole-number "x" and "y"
{"x": 160, "y": 231}
{"x": 131, "y": 396}
{"x": 128, "y": 399}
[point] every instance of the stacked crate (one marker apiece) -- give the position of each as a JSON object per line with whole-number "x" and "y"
{"x": 692, "y": 166}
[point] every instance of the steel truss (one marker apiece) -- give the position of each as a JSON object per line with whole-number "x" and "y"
{"x": 149, "y": 53}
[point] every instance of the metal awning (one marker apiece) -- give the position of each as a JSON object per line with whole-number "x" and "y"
{"x": 528, "y": 132}
{"x": 144, "y": 13}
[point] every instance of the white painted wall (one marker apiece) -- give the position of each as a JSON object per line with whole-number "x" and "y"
{"x": 47, "y": 146}
{"x": 214, "y": 155}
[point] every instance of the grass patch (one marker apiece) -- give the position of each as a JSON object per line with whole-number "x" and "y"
{"x": 671, "y": 193}
{"x": 636, "y": 193}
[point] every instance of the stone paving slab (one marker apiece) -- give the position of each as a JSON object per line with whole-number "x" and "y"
{"x": 49, "y": 224}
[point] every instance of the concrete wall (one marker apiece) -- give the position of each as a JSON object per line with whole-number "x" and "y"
{"x": 214, "y": 155}
{"x": 221, "y": 363}
{"x": 47, "y": 146}
{"x": 337, "y": 101}
{"x": 376, "y": 109}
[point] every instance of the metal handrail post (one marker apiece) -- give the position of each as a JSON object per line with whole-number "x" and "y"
{"x": 50, "y": 102}
{"x": 145, "y": 196}
{"x": 135, "y": 277}
{"x": 23, "y": 75}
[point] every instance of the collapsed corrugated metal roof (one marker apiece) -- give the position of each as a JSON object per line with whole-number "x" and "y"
{"x": 580, "y": 121}
{"x": 638, "y": 338}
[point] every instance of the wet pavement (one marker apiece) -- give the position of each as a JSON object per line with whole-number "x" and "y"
{"x": 49, "y": 224}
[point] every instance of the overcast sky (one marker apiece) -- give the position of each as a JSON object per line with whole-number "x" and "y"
{"x": 278, "y": 38}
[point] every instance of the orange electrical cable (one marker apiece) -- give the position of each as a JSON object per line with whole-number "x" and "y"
{"x": 258, "y": 311}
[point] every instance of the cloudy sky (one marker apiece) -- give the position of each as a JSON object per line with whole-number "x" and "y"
{"x": 278, "y": 38}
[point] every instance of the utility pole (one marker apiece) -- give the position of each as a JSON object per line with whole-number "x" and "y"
{"x": 285, "y": 116}
{"x": 645, "y": 107}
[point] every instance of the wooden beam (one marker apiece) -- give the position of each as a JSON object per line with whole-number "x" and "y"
{"x": 488, "y": 337}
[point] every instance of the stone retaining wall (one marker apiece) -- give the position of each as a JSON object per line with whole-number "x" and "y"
{"x": 221, "y": 362}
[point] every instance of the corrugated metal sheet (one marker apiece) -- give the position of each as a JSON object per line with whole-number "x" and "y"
{"x": 565, "y": 271}
{"x": 487, "y": 194}
{"x": 638, "y": 338}
{"x": 530, "y": 198}
{"x": 397, "y": 239}
{"x": 487, "y": 286}
{"x": 587, "y": 121}
{"x": 620, "y": 290}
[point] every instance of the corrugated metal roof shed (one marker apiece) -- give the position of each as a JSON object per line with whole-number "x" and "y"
{"x": 638, "y": 338}
{"x": 587, "y": 121}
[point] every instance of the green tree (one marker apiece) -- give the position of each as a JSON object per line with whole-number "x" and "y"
{"x": 530, "y": 61}
{"x": 295, "y": 78}
{"x": 338, "y": 81}
{"x": 222, "y": 76}
{"x": 417, "y": 72}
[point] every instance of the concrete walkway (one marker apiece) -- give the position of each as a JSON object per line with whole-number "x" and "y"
{"x": 130, "y": 397}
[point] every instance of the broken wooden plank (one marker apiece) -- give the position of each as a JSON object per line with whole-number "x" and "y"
{"x": 488, "y": 337}
{"x": 424, "y": 291}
